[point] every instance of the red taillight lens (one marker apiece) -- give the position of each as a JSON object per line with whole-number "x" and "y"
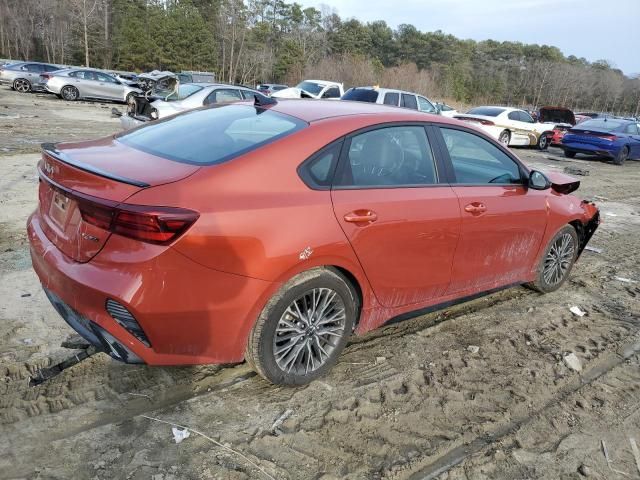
{"x": 609, "y": 138}
{"x": 159, "y": 225}
{"x": 486, "y": 122}
{"x": 45, "y": 76}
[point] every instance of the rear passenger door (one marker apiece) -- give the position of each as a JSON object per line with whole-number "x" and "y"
{"x": 634, "y": 140}
{"x": 503, "y": 221}
{"x": 401, "y": 219}
{"x": 391, "y": 98}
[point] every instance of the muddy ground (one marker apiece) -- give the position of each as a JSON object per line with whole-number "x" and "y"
{"x": 408, "y": 401}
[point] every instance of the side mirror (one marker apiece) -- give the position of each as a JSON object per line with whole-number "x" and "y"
{"x": 538, "y": 180}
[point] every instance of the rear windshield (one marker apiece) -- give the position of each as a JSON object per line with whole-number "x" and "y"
{"x": 361, "y": 95}
{"x": 601, "y": 124}
{"x": 211, "y": 135}
{"x": 486, "y": 111}
{"x": 310, "y": 87}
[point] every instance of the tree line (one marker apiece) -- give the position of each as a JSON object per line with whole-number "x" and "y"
{"x": 252, "y": 41}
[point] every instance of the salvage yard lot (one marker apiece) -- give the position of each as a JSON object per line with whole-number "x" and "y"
{"x": 410, "y": 400}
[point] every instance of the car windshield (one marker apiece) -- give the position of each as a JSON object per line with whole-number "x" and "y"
{"x": 361, "y": 95}
{"x": 211, "y": 135}
{"x": 601, "y": 124}
{"x": 486, "y": 111}
{"x": 184, "y": 91}
{"x": 310, "y": 87}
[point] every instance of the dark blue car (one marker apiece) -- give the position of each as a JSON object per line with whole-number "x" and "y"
{"x": 612, "y": 138}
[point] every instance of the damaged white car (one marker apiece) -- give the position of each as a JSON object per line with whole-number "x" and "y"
{"x": 165, "y": 95}
{"x": 315, "y": 89}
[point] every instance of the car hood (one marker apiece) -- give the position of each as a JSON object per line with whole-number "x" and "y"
{"x": 158, "y": 84}
{"x": 293, "y": 92}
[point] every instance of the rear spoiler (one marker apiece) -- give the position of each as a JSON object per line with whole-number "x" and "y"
{"x": 51, "y": 150}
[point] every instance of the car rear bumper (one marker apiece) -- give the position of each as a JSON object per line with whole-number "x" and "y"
{"x": 189, "y": 314}
{"x": 587, "y": 149}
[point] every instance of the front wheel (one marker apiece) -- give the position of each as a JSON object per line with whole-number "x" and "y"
{"x": 304, "y": 327}
{"x": 543, "y": 142}
{"x": 622, "y": 156}
{"x": 557, "y": 261}
{"x": 70, "y": 93}
{"x": 22, "y": 85}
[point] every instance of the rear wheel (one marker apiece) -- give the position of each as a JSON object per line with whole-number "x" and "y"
{"x": 557, "y": 261}
{"x": 304, "y": 327}
{"x": 569, "y": 154}
{"x": 22, "y": 85}
{"x": 70, "y": 93}
{"x": 543, "y": 142}
{"x": 504, "y": 138}
{"x": 622, "y": 156}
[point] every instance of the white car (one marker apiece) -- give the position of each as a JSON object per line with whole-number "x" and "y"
{"x": 180, "y": 98}
{"x": 315, "y": 89}
{"x": 389, "y": 96}
{"x": 510, "y": 126}
{"x": 446, "y": 110}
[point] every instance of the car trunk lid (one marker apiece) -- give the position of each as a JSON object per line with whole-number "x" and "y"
{"x": 590, "y": 136}
{"x": 556, "y": 115}
{"x": 74, "y": 178}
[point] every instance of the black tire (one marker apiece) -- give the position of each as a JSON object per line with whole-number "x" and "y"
{"x": 505, "y": 137}
{"x": 543, "y": 142}
{"x": 622, "y": 156}
{"x": 264, "y": 336}
{"x": 549, "y": 279}
{"x": 569, "y": 154}
{"x": 69, "y": 93}
{"x": 22, "y": 85}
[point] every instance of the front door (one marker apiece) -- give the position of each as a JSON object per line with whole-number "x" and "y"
{"x": 402, "y": 222}
{"x": 503, "y": 221}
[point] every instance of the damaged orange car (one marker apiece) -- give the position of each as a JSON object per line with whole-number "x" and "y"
{"x": 273, "y": 232}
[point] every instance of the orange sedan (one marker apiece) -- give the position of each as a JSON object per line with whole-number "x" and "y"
{"x": 273, "y": 232}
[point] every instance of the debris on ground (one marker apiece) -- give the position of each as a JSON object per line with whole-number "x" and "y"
{"x": 584, "y": 470}
{"x": 577, "y": 311}
{"x": 576, "y": 171}
{"x": 573, "y": 362}
{"x": 275, "y": 428}
{"x": 473, "y": 348}
{"x": 381, "y": 359}
{"x": 636, "y": 452}
{"x": 624, "y": 280}
{"x": 179, "y": 435}
{"x": 593, "y": 249}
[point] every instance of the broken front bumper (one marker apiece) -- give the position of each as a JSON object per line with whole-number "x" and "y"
{"x": 591, "y": 226}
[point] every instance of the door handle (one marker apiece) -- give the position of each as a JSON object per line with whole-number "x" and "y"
{"x": 475, "y": 208}
{"x": 361, "y": 216}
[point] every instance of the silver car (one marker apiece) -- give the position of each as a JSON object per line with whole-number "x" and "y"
{"x": 186, "y": 96}
{"x": 83, "y": 83}
{"x": 24, "y": 77}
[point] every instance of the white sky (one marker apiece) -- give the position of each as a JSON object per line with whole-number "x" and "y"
{"x": 594, "y": 29}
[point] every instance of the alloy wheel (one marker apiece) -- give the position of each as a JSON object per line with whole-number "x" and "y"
{"x": 558, "y": 259}
{"x": 504, "y": 139}
{"x": 309, "y": 331}
{"x": 22, "y": 86}
{"x": 69, "y": 93}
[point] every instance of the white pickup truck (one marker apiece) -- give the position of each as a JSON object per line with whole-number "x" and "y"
{"x": 315, "y": 89}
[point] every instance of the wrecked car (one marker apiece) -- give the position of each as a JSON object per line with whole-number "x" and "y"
{"x": 562, "y": 120}
{"x": 510, "y": 126}
{"x": 273, "y": 232}
{"x": 169, "y": 98}
{"x": 315, "y": 89}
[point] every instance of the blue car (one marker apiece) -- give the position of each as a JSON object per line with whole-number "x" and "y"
{"x": 612, "y": 138}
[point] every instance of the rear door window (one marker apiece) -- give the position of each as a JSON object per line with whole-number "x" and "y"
{"x": 425, "y": 105}
{"x": 361, "y": 95}
{"x": 409, "y": 101}
{"x": 478, "y": 162}
{"x": 514, "y": 116}
{"x": 391, "y": 98}
{"x": 317, "y": 171}
{"x": 389, "y": 156}
{"x": 332, "y": 92}
{"x": 212, "y": 135}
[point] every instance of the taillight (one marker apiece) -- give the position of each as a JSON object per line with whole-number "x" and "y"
{"x": 486, "y": 122}
{"x": 608, "y": 138}
{"x": 45, "y": 76}
{"x": 160, "y": 225}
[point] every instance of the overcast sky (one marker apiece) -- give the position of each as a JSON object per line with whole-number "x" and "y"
{"x": 594, "y": 29}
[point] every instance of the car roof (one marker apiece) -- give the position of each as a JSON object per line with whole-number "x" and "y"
{"x": 385, "y": 90}
{"x": 314, "y": 110}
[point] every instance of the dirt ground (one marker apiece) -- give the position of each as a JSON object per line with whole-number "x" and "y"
{"x": 409, "y": 401}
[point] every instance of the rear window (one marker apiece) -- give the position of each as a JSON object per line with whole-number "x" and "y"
{"x": 361, "y": 95}
{"x": 486, "y": 111}
{"x": 601, "y": 124}
{"x": 212, "y": 135}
